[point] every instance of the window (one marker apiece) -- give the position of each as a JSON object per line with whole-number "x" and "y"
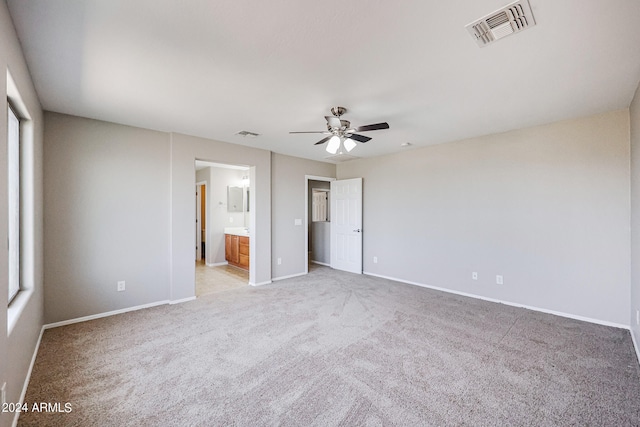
{"x": 320, "y": 206}
{"x": 20, "y": 203}
{"x": 13, "y": 179}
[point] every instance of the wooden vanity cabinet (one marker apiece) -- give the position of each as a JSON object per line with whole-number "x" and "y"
{"x": 243, "y": 252}
{"x": 236, "y": 250}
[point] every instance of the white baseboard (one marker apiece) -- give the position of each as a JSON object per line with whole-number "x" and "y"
{"x": 275, "y": 279}
{"x": 513, "y": 304}
{"x": 216, "y": 264}
{"x": 260, "y": 283}
{"x": 28, "y": 377}
{"x": 321, "y": 263}
{"x": 107, "y": 314}
{"x": 180, "y": 301}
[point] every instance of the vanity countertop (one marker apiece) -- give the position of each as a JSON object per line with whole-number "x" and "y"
{"x": 237, "y": 231}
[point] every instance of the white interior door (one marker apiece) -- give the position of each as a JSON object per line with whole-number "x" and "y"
{"x": 198, "y": 228}
{"x": 346, "y": 225}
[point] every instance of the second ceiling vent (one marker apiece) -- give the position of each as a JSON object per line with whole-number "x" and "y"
{"x": 511, "y": 19}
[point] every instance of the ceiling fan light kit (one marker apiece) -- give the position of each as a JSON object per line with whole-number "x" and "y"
{"x": 341, "y": 135}
{"x": 338, "y": 145}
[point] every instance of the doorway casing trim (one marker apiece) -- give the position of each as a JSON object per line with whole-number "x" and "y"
{"x": 201, "y": 184}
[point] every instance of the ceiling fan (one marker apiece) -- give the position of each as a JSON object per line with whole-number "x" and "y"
{"x": 341, "y": 134}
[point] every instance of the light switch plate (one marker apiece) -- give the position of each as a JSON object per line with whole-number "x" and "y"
{"x": 297, "y": 221}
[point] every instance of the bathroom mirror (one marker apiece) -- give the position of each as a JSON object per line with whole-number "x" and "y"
{"x": 234, "y": 199}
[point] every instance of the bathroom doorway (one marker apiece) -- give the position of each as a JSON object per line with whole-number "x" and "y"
{"x": 227, "y": 215}
{"x": 318, "y": 220}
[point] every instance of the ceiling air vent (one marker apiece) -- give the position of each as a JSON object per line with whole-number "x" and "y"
{"x": 341, "y": 158}
{"x": 246, "y": 133}
{"x": 511, "y": 19}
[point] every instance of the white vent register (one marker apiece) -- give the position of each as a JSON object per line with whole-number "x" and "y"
{"x": 511, "y": 19}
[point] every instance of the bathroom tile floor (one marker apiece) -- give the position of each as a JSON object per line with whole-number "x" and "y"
{"x": 220, "y": 278}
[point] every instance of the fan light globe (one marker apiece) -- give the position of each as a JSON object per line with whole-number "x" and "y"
{"x": 349, "y": 144}
{"x": 333, "y": 145}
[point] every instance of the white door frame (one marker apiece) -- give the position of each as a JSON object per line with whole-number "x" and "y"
{"x": 251, "y": 170}
{"x": 308, "y": 178}
{"x": 198, "y": 222}
{"x": 201, "y": 186}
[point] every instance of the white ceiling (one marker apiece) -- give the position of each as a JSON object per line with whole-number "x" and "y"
{"x": 211, "y": 68}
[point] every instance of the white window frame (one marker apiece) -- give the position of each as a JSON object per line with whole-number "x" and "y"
{"x": 13, "y": 191}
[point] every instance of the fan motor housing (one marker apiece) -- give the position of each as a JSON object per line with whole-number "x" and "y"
{"x": 344, "y": 125}
{"x": 338, "y": 111}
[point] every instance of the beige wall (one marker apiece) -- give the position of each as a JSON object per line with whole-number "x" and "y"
{"x": 17, "y": 347}
{"x": 107, "y": 216}
{"x": 288, "y": 197}
{"x": 546, "y": 207}
{"x": 634, "y": 114}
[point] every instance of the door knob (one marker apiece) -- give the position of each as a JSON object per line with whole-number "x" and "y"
{"x": 357, "y": 231}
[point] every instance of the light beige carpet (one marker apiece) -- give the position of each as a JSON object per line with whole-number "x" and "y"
{"x": 334, "y": 348}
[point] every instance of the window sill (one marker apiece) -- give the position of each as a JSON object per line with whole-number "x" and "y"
{"x": 16, "y": 308}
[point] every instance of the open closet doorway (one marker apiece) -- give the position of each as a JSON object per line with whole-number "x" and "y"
{"x": 318, "y": 220}
{"x": 225, "y": 256}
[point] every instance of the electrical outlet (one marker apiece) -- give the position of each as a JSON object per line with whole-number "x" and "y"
{"x": 121, "y": 286}
{"x": 279, "y": 261}
{"x": 474, "y": 275}
{"x": 375, "y": 259}
{"x": 4, "y": 393}
{"x": 499, "y": 280}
